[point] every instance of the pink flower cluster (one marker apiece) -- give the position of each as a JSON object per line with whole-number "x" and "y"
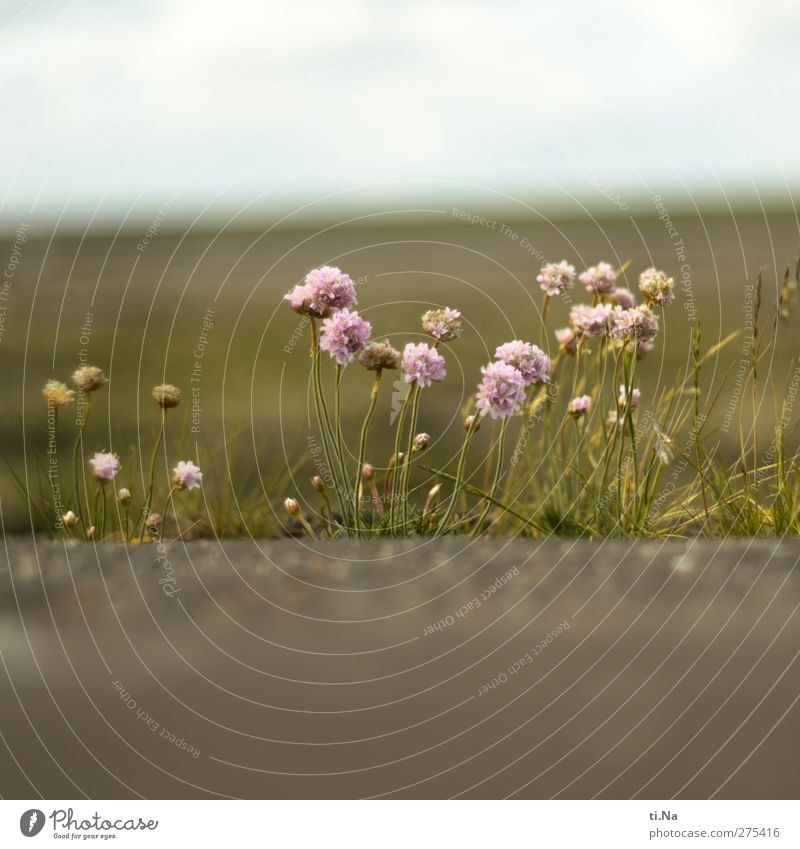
{"x": 590, "y": 321}
{"x": 105, "y": 465}
{"x": 501, "y": 391}
{"x": 580, "y": 406}
{"x": 529, "y": 360}
{"x": 324, "y": 291}
{"x": 186, "y": 475}
{"x": 556, "y": 277}
{"x": 422, "y": 364}
{"x": 600, "y": 278}
{"x": 343, "y": 334}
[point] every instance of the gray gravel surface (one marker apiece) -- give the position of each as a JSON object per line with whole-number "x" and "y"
{"x": 443, "y": 668}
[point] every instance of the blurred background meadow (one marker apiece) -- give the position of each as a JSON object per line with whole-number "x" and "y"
{"x": 171, "y": 170}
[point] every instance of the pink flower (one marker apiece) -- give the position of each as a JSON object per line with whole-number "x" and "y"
{"x": 531, "y": 362}
{"x": 343, "y": 334}
{"x": 186, "y": 475}
{"x": 324, "y": 291}
{"x": 635, "y": 395}
{"x": 556, "y": 277}
{"x": 644, "y": 348}
{"x": 567, "y": 339}
{"x": 599, "y": 278}
{"x": 444, "y": 324}
{"x": 579, "y": 406}
{"x": 501, "y": 391}
{"x": 623, "y": 297}
{"x": 105, "y": 465}
{"x": 422, "y": 364}
{"x": 635, "y": 325}
{"x": 590, "y": 321}
{"x": 656, "y": 287}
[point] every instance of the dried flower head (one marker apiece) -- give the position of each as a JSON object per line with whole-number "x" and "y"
{"x": 422, "y": 364}
{"x": 635, "y": 325}
{"x": 153, "y": 521}
{"x": 599, "y": 279}
{"x": 421, "y": 441}
{"x": 292, "y": 506}
{"x": 501, "y": 391}
{"x": 69, "y": 519}
{"x": 89, "y": 378}
{"x": 343, "y": 334}
{"x": 57, "y": 394}
{"x": 442, "y": 324}
{"x": 167, "y": 396}
{"x": 124, "y": 496}
{"x": 556, "y": 277}
{"x": 579, "y": 406}
{"x": 567, "y": 340}
{"x": 186, "y": 475}
{"x": 623, "y": 297}
{"x": 529, "y": 360}
{"x": 656, "y": 287}
{"x": 590, "y": 321}
{"x": 324, "y": 291}
{"x": 635, "y": 395}
{"x": 105, "y": 465}
{"x": 375, "y": 356}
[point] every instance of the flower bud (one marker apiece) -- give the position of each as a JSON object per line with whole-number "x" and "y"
{"x": 69, "y": 519}
{"x": 90, "y": 533}
{"x": 167, "y": 396}
{"x": 368, "y": 472}
{"x": 153, "y": 521}
{"x": 124, "y": 497}
{"x": 421, "y": 441}
{"x": 292, "y": 506}
{"x": 318, "y": 484}
{"x": 468, "y": 424}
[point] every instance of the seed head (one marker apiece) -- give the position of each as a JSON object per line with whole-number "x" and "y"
{"x": 57, "y": 394}
{"x": 124, "y": 497}
{"x": 379, "y": 355}
{"x": 89, "y": 378}
{"x": 167, "y": 396}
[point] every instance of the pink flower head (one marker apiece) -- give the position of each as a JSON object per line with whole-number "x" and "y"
{"x": 567, "y": 339}
{"x": 623, "y": 297}
{"x": 556, "y": 277}
{"x": 422, "y": 364}
{"x": 580, "y": 406}
{"x": 635, "y": 325}
{"x": 529, "y": 360}
{"x": 105, "y": 465}
{"x": 635, "y": 395}
{"x": 656, "y": 287}
{"x": 186, "y": 475}
{"x": 599, "y": 278}
{"x": 343, "y": 334}
{"x": 501, "y": 391}
{"x": 324, "y": 291}
{"x": 590, "y": 321}
{"x": 444, "y": 324}
{"x": 644, "y": 348}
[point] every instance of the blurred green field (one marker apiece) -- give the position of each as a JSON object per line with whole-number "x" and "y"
{"x": 204, "y": 311}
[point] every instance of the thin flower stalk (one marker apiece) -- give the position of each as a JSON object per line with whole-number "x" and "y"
{"x": 500, "y": 451}
{"x": 362, "y": 447}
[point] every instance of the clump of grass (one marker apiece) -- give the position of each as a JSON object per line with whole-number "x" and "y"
{"x": 595, "y": 453}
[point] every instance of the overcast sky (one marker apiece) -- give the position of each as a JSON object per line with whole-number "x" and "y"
{"x": 117, "y": 107}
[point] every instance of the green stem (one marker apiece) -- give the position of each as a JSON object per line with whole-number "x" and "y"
{"x": 148, "y": 499}
{"x": 173, "y": 489}
{"x": 105, "y": 510}
{"x": 75, "y": 464}
{"x": 501, "y": 447}
{"x": 407, "y": 459}
{"x": 396, "y": 471}
{"x": 362, "y": 447}
{"x": 462, "y": 457}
